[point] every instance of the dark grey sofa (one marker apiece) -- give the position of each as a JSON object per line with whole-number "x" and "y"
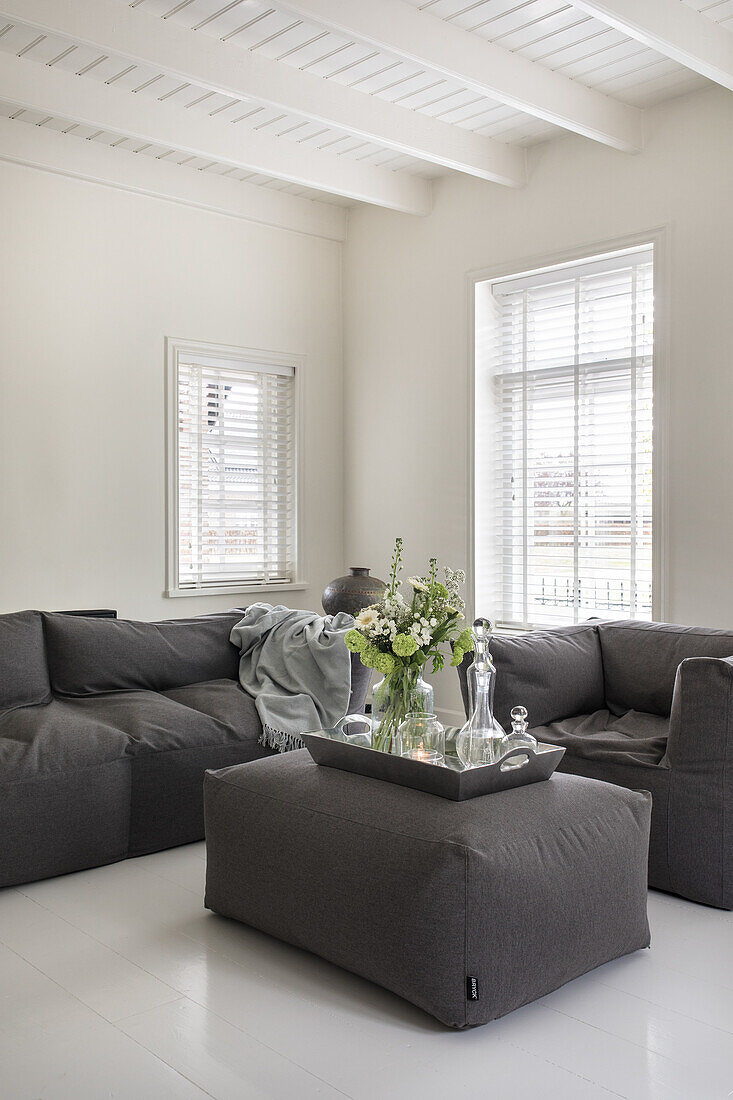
{"x": 647, "y": 706}
{"x": 106, "y": 729}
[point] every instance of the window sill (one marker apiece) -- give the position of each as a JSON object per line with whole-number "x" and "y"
{"x": 235, "y": 589}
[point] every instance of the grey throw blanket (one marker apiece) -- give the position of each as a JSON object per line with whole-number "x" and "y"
{"x": 296, "y": 667}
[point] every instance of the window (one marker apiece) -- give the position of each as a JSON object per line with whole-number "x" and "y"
{"x": 569, "y": 385}
{"x": 232, "y": 470}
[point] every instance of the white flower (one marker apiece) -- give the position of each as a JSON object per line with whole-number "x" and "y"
{"x": 417, "y": 584}
{"x": 367, "y": 618}
{"x": 433, "y": 622}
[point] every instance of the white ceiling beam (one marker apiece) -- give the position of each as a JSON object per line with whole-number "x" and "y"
{"x": 52, "y": 151}
{"x": 106, "y": 107}
{"x": 490, "y": 70}
{"x": 672, "y": 29}
{"x": 115, "y": 29}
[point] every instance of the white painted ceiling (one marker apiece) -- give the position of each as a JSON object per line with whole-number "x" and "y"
{"x": 549, "y": 33}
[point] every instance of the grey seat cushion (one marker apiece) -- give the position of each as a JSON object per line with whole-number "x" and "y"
{"x": 87, "y": 656}
{"x": 522, "y": 890}
{"x": 223, "y": 700}
{"x": 54, "y": 738}
{"x": 23, "y": 671}
{"x": 153, "y": 722}
{"x": 632, "y": 738}
{"x": 640, "y": 661}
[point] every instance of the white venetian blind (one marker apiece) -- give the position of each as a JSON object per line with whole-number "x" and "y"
{"x": 236, "y": 473}
{"x": 573, "y": 393}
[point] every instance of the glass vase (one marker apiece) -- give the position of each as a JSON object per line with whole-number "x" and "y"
{"x": 393, "y": 698}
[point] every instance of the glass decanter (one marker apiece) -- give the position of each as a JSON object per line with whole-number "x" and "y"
{"x": 518, "y": 738}
{"x": 480, "y": 739}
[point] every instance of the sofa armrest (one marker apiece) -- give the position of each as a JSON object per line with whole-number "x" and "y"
{"x": 700, "y": 758}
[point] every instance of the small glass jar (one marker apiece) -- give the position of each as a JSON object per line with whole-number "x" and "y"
{"x": 421, "y": 737}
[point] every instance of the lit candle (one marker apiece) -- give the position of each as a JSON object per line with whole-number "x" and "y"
{"x": 424, "y": 756}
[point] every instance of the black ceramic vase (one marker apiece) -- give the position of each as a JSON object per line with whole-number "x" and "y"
{"x": 352, "y": 593}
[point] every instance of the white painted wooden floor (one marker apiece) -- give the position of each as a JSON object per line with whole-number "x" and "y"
{"x": 117, "y": 983}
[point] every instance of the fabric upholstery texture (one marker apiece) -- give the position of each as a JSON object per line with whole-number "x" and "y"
{"x": 522, "y": 890}
{"x": 632, "y": 738}
{"x": 665, "y": 725}
{"x": 106, "y": 757}
{"x": 700, "y": 759}
{"x": 57, "y": 736}
{"x": 567, "y": 674}
{"x": 23, "y": 671}
{"x": 640, "y": 661}
{"x": 88, "y": 656}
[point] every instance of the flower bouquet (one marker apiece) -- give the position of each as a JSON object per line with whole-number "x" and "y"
{"x": 398, "y": 638}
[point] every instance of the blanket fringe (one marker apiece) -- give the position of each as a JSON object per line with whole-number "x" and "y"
{"x": 282, "y": 742}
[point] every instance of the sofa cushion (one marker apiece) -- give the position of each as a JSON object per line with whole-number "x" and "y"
{"x": 64, "y": 821}
{"x": 23, "y": 671}
{"x": 640, "y": 661}
{"x": 552, "y": 674}
{"x": 88, "y": 656}
{"x": 223, "y": 700}
{"x": 154, "y": 722}
{"x": 57, "y": 736}
{"x": 632, "y": 738}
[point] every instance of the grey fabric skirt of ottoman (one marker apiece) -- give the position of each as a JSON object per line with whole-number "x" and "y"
{"x": 466, "y": 909}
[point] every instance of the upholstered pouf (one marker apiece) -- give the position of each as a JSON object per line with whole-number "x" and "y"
{"x": 467, "y": 909}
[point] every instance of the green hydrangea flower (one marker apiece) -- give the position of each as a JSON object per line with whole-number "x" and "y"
{"x": 369, "y": 656}
{"x": 404, "y": 645}
{"x": 385, "y": 663}
{"x": 355, "y": 641}
{"x": 465, "y": 641}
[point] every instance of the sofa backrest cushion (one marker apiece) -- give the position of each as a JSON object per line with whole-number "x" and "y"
{"x": 89, "y": 656}
{"x": 23, "y": 671}
{"x": 640, "y": 661}
{"x": 554, "y": 674}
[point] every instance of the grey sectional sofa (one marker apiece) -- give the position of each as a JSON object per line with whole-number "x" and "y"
{"x": 106, "y": 729}
{"x": 647, "y": 706}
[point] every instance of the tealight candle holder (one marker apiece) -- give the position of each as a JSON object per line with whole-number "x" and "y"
{"x": 422, "y": 738}
{"x": 424, "y": 756}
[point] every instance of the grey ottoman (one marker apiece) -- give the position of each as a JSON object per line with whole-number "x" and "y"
{"x": 467, "y": 909}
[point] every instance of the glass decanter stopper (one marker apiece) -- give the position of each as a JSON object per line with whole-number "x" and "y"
{"x": 479, "y": 741}
{"x": 518, "y": 738}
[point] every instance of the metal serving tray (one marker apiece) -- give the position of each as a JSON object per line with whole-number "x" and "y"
{"x": 333, "y": 748}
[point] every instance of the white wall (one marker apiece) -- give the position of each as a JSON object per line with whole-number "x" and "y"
{"x": 407, "y": 340}
{"x": 91, "y": 282}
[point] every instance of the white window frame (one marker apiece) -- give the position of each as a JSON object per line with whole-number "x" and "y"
{"x": 175, "y": 349}
{"x": 479, "y": 400}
